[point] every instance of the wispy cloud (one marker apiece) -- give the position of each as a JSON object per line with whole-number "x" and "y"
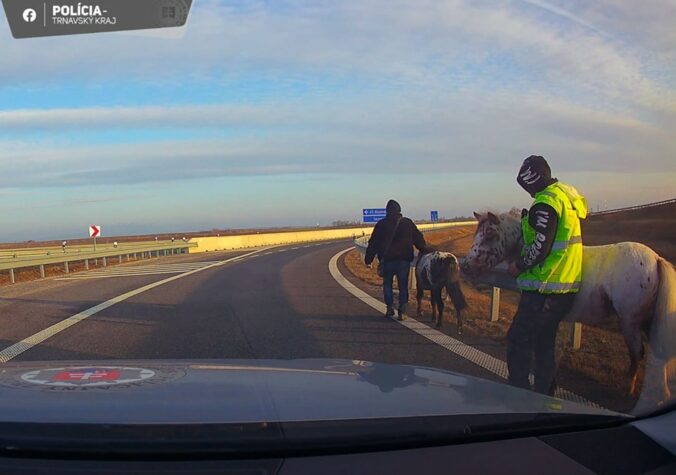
{"x": 419, "y": 42}
{"x": 404, "y": 137}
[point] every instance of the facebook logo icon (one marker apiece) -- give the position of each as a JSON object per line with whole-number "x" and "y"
{"x": 29, "y": 15}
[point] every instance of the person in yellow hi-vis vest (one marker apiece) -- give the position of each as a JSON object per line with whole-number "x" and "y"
{"x": 548, "y": 273}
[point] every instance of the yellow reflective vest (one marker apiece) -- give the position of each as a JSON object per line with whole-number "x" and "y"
{"x": 561, "y": 271}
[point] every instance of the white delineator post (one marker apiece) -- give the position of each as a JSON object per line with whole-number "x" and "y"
{"x": 495, "y": 304}
{"x": 577, "y": 336}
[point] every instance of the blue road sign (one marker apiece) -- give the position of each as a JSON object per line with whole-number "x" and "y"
{"x": 434, "y": 216}
{"x": 373, "y": 215}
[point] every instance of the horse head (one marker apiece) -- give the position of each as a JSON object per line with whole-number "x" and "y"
{"x": 496, "y": 239}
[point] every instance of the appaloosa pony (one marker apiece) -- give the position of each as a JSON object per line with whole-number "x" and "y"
{"x": 627, "y": 279}
{"x": 436, "y": 271}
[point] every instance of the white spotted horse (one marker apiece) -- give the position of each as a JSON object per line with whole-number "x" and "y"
{"x": 627, "y": 279}
{"x": 436, "y": 271}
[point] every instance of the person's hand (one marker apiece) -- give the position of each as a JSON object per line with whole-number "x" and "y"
{"x": 513, "y": 270}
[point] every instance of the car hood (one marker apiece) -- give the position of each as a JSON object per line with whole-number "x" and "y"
{"x": 253, "y": 391}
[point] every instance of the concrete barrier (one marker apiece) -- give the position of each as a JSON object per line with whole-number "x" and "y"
{"x": 212, "y": 243}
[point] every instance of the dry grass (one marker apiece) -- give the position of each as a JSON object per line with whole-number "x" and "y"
{"x": 603, "y": 356}
{"x": 655, "y": 227}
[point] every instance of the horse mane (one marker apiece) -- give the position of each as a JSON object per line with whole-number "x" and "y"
{"x": 513, "y": 214}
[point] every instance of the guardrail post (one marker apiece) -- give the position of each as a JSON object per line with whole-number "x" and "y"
{"x": 86, "y": 264}
{"x": 576, "y": 339}
{"x": 495, "y": 304}
{"x": 42, "y": 271}
{"x": 119, "y": 259}
{"x": 11, "y": 276}
{"x": 127, "y": 257}
{"x": 65, "y": 267}
{"x": 105, "y": 262}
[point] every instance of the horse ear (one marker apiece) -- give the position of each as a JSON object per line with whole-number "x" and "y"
{"x": 493, "y": 219}
{"x": 477, "y": 216}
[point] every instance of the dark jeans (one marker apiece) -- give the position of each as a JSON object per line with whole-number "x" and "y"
{"x": 533, "y": 332}
{"x": 401, "y": 270}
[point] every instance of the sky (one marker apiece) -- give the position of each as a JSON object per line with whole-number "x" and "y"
{"x": 289, "y": 112}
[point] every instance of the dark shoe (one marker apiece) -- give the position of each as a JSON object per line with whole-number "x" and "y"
{"x": 390, "y": 312}
{"x": 402, "y": 312}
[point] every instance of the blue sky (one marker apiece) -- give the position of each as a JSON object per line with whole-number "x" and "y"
{"x": 297, "y": 113}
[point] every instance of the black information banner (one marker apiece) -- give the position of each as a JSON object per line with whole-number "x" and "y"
{"x": 33, "y": 18}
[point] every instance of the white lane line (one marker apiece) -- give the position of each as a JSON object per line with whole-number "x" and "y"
{"x": 27, "y": 343}
{"x": 125, "y": 274}
{"x": 478, "y": 357}
{"x": 87, "y": 277}
{"x": 137, "y": 270}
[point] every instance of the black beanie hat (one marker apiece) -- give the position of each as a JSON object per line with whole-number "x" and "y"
{"x": 535, "y": 174}
{"x": 393, "y": 207}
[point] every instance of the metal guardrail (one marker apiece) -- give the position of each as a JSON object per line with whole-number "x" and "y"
{"x": 40, "y": 257}
{"x": 24, "y": 252}
{"x": 633, "y": 208}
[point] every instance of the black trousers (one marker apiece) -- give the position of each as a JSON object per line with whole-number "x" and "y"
{"x": 533, "y": 333}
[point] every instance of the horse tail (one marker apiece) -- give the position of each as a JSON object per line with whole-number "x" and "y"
{"x": 663, "y": 330}
{"x": 659, "y": 367}
{"x": 453, "y": 287}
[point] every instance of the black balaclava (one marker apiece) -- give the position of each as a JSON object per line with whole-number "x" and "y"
{"x": 393, "y": 208}
{"x": 535, "y": 174}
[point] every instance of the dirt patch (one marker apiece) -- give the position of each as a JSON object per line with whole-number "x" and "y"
{"x": 654, "y": 227}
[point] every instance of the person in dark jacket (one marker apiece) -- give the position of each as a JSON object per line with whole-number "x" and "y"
{"x": 392, "y": 241}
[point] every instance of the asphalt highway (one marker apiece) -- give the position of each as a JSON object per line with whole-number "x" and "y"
{"x": 279, "y": 303}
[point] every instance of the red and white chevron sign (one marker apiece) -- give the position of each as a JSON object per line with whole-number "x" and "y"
{"x": 94, "y": 231}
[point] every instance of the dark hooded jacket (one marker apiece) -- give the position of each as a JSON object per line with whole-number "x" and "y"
{"x": 401, "y": 248}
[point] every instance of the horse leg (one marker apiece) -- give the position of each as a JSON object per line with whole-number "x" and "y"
{"x": 419, "y": 296}
{"x": 440, "y": 308}
{"x": 632, "y": 337}
{"x": 458, "y": 298}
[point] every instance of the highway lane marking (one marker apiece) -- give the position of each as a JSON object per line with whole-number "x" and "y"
{"x": 27, "y": 343}
{"x": 150, "y": 269}
{"x": 478, "y": 357}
